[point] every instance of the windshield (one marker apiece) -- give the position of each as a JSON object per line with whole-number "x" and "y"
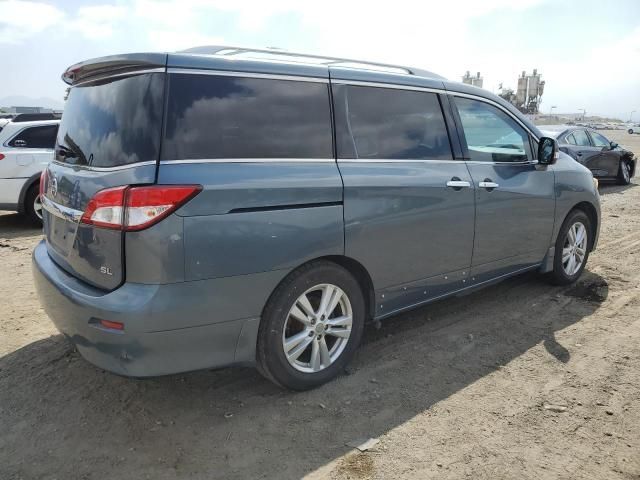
{"x": 112, "y": 122}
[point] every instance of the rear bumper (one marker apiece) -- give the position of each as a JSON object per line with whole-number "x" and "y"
{"x": 146, "y": 347}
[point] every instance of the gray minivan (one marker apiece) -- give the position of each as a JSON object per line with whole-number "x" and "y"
{"x": 224, "y": 206}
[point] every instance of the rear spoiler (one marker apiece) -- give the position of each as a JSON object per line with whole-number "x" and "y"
{"x": 113, "y": 65}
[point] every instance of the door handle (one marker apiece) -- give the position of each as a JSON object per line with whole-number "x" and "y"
{"x": 579, "y": 154}
{"x": 488, "y": 184}
{"x": 457, "y": 184}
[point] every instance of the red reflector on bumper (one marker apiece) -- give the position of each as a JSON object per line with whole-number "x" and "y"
{"x": 112, "y": 325}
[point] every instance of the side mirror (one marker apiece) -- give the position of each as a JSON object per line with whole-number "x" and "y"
{"x": 614, "y": 145}
{"x": 547, "y": 151}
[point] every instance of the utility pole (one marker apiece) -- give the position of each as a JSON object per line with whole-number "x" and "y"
{"x": 584, "y": 113}
{"x": 632, "y": 112}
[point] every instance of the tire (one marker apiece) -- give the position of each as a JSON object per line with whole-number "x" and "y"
{"x": 562, "y": 274}
{"x": 624, "y": 173}
{"x": 630, "y": 130}
{"x": 313, "y": 281}
{"x": 32, "y": 205}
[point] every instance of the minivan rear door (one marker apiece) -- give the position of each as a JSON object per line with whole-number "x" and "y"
{"x": 408, "y": 204}
{"x": 109, "y": 136}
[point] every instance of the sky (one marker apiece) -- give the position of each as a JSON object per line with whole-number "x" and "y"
{"x": 588, "y": 51}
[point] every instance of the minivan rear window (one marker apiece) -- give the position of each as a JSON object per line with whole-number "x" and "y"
{"x": 112, "y": 122}
{"x": 217, "y": 117}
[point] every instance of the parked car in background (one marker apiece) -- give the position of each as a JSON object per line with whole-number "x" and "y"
{"x": 606, "y": 159}
{"x": 26, "y": 147}
{"x": 634, "y": 128}
{"x": 225, "y": 206}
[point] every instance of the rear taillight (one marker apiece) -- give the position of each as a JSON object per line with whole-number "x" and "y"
{"x": 43, "y": 182}
{"x": 106, "y": 208}
{"x": 1, "y": 156}
{"x": 136, "y": 208}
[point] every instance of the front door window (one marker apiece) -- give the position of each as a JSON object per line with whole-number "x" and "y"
{"x": 491, "y": 134}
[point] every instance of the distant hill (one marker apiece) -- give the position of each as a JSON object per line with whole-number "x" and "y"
{"x": 24, "y": 101}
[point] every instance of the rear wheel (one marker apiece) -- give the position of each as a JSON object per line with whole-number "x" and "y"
{"x": 624, "y": 173}
{"x": 33, "y": 205}
{"x": 311, "y": 326}
{"x": 572, "y": 248}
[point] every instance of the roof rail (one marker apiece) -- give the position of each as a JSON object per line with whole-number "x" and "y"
{"x": 30, "y": 117}
{"x": 293, "y": 57}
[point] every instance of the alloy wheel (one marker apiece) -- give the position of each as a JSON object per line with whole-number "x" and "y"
{"x": 317, "y": 328}
{"x": 37, "y": 207}
{"x": 574, "y": 249}
{"x": 625, "y": 171}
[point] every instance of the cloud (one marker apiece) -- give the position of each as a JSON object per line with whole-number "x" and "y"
{"x": 22, "y": 19}
{"x": 175, "y": 40}
{"x": 573, "y": 86}
{"x": 419, "y": 34}
{"x": 97, "y": 22}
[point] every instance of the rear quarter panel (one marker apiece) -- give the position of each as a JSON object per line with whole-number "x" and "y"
{"x": 258, "y": 217}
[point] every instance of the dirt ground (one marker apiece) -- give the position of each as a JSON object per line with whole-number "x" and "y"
{"x": 521, "y": 380}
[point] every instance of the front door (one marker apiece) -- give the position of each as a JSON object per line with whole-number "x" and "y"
{"x": 585, "y": 152}
{"x": 607, "y": 162}
{"x": 515, "y": 202}
{"x": 408, "y": 206}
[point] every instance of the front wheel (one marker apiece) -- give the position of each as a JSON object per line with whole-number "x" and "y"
{"x": 311, "y": 326}
{"x": 572, "y": 248}
{"x": 624, "y": 173}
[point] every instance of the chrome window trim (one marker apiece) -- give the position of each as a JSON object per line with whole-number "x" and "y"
{"x": 229, "y": 73}
{"x": 331, "y": 160}
{"x": 247, "y": 160}
{"x": 132, "y": 73}
{"x": 434, "y": 90}
{"x": 61, "y": 211}
{"x": 394, "y": 86}
{"x": 395, "y": 160}
{"x": 105, "y": 169}
{"x": 499, "y": 164}
{"x": 444, "y": 92}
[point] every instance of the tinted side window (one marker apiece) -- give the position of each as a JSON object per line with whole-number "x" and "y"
{"x": 599, "y": 140}
{"x": 231, "y": 117}
{"x": 570, "y": 139}
{"x": 384, "y": 123}
{"x": 36, "y": 137}
{"x": 581, "y": 138}
{"x": 491, "y": 134}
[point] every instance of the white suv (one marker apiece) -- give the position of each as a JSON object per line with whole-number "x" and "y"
{"x": 26, "y": 147}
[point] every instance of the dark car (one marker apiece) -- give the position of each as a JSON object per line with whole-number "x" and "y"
{"x": 606, "y": 159}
